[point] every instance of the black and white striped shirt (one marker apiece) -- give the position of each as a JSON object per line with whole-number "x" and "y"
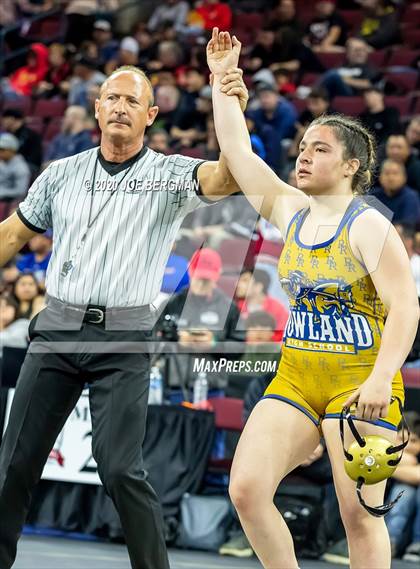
{"x": 141, "y": 205}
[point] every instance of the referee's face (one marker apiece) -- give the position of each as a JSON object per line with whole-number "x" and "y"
{"x": 123, "y": 110}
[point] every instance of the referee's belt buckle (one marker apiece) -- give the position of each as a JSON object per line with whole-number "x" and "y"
{"x": 100, "y": 315}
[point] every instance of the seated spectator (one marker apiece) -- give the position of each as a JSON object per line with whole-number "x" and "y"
{"x": 379, "y": 27}
{"x": 355, "y": 75}
{"x": 13, "y": 330}
{"x": 274, "y": 121}
{"x": 394, "y": 192}
{"x": 25, "y": 79}
{"x": 317, "y": 104}
{"x": 171, "y": 13}
{"x": 167, "y": 98}
{"x": 158, "y": 140}
{"x": 407, "y": 234}
{"x": 327, "y": 30}
{"x": 36, "y": 262}
{"x": 382, "y": 121}
{"x": 14, "y": 173}
{"x": 252, "y": 294}
{"x": 27, "y": 295}
{"x": 397, "y": 148}
{"x": 30, "y": 142}
{"x": 80, "y": 16}
{"x": 412, "y": 135}
{"x": 128, "y": 54}
{"x": 204, "y": 315}
{"x": 284, "y": 21}
{"x": 403, "y": 521}
{"x": 58, "y": 72}
{"x": 74, "y": 136}
{"x": 85, "y": 74}
{"x": 189, "y": 124}
{"x": 215, "y": 14}
{"x": 265, "y": 52}
{"x": 102, "y": 36}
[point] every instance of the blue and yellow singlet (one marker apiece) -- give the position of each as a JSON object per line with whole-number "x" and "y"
{"x": 335, "y": 325}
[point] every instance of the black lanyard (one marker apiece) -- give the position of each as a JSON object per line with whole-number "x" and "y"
{"x": 68, "y": 265}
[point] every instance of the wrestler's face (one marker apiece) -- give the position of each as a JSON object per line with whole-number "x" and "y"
{"x": 320, "y": 167}
{"x": 124, "y": 109}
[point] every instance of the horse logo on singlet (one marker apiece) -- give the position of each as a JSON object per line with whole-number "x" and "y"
{"x": 322, "y": 311}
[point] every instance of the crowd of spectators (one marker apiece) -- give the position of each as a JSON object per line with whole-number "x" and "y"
{"x": 359, "y": 57}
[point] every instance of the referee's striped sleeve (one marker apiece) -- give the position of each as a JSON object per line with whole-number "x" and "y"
{"x": 184, "y": 170}
{"x": 35, "y": 210}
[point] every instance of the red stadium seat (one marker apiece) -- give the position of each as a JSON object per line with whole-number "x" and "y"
{"x": 352, "y": 18}
{"x": 378, "y": 58}
{"x": 411, "y": 376}
{"x": 401, "y": 103}
{"x": 228, "y": 284}
{"x": 411, "y": 37}
{"x": 404, "y": 81}
{"x": 411, "y": 15}
{"x": 299, "y": 104}
{"x": 349, "y": 105}
{"x": 234, "y": 252}
{"x": 332, "y": 59}
{"x": 228, "y": 413}
{"x": 251, "y": 22}
{"x": 309, "y": 79}
{"x": 24, "y": 104}
{"x": 52, "y": 129}
{"x": 35, "y": 123}
{"x": 192, "y": 152}
{"x": 402, "y": 56}
{"x": 50, "y": 108}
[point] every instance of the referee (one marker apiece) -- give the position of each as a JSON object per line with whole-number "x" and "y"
{"x": 115, "y": 212}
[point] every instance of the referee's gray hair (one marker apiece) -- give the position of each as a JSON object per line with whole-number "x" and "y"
{"x": 137, "y": 71}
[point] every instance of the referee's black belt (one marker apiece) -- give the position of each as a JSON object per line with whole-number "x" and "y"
{"x": 94, "y": 314}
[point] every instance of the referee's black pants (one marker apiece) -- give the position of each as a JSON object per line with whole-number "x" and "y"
{"x": 48, "y": 388}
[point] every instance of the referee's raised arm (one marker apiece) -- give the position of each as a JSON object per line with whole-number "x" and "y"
{"x": 13, "y": 236}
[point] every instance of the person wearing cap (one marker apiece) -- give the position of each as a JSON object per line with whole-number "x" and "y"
{"x": 30, "y": 143}
{"x": 14, "y": 173}
{"x": 128, "y": 54}
{"x": 205, "y": 316}
{"x": 274, "y": 121}
{"x": 102, "y": 37}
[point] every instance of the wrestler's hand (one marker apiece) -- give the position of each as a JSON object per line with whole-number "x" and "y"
{"x": 222, "y": 52}
{"x": 373, "y": 399}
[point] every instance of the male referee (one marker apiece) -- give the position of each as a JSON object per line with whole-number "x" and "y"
{"x": 115, "y": 212}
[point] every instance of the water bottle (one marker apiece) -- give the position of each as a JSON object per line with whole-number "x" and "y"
{"x": 156, "y": 387}
{"x": 201, "y": 389}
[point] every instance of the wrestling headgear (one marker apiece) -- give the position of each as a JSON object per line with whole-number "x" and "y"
{"x": 371, "y": 459}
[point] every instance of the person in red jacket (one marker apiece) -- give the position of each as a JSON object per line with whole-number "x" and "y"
{"x": 24, "y": 79}
{"x": 215, "y": 14}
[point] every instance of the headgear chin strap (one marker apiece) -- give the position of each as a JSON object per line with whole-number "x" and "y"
{"x": 371, "y": 459}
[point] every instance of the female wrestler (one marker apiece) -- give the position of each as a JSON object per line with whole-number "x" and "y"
{"x": 344, "y": 268}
